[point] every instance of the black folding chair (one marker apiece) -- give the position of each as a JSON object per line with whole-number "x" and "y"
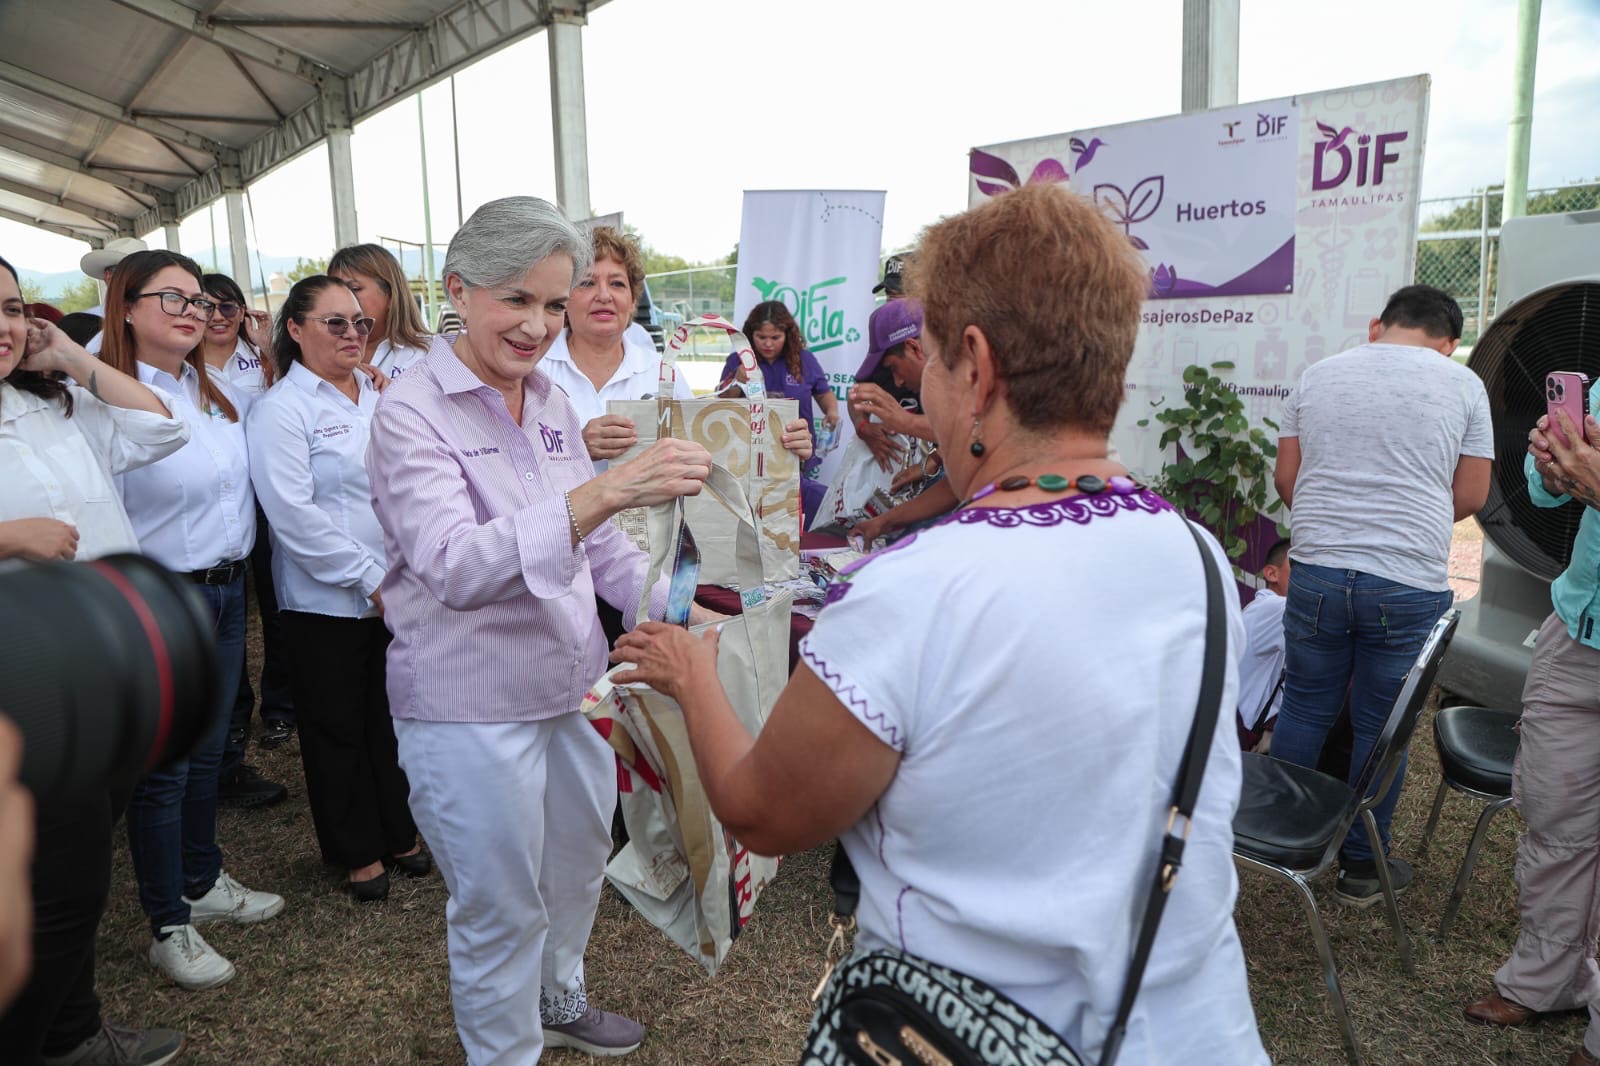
{"x": 1477, "y": 748}
{"x": 1292, "y": 819}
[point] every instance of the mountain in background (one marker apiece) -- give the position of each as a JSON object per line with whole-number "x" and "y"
{"x": 54, "y": 284}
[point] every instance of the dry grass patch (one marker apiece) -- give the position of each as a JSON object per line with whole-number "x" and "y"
{"x": 333, "y": 982}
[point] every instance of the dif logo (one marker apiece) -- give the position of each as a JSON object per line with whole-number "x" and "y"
{"x": 1333, "y": 159}
{"x": 1270, "y": 125}
{"x": 552, "y": 438}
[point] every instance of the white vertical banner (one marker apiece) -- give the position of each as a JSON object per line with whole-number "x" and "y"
{"x": 816, "y": 252}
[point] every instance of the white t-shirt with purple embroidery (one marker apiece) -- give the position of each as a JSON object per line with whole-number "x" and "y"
{"x": 1037, "y": 669}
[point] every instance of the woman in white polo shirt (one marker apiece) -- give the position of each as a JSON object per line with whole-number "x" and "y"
{"x": 238, "y": 347}
{"x": 60, "y": 446}
{"x": 597, "y": 358}
{"x": 399, "y": 337}
{"x": 308, "y": 446}
{"x": 195, "y": 514}
{"x": 236, "y": 343}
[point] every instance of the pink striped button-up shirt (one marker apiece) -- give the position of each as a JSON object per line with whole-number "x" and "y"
{"x": 491, "y": 607}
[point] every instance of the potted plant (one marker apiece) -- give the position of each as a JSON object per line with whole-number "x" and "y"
{"x": 1222, "y": 470}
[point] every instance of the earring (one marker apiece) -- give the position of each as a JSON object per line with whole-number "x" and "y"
{"x": 976, "y": 448}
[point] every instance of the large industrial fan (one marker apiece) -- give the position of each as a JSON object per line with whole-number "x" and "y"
{"x": 1549, "y": 319}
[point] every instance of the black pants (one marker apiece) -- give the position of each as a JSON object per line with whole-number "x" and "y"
{"x": 357, "y": 791}
{"x": 277, "y": 702}
{"x": 58, "y": 1009}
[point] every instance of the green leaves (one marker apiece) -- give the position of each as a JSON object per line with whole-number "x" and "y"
{"x": 1226, "y": 465}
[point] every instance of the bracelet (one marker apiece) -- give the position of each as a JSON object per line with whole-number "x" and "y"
{"x": 572, "y": 516}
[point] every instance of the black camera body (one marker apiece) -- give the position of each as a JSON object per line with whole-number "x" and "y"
{"x": 108, "y": 668}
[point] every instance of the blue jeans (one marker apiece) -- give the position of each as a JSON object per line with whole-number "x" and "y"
{"x": 172, "y": 817}
{"x": 1346, "y": 630}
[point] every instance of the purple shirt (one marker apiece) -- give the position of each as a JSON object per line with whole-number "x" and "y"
{"x": 491, "y": 606}
{"x": 813, "y": 380}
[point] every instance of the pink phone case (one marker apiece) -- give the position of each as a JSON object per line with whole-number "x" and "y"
{"x": 1564, "y": 391}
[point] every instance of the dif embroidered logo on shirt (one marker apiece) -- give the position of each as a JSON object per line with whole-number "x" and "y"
{"x": 555, "y": 443}
{"x": 244, "y": 364}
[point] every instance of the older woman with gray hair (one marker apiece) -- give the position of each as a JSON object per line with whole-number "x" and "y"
{"x": 498, "y": 538}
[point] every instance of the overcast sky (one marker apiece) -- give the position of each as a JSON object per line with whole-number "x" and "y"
{"x": 690, "y": 102}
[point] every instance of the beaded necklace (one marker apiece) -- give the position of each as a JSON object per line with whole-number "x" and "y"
{"x": 1087, "y": 484}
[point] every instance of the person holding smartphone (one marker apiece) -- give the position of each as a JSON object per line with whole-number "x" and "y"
{"x": 1556, "y": 781}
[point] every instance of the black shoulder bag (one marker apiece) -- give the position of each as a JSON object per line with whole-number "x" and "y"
{"x": 888, "y": 1008}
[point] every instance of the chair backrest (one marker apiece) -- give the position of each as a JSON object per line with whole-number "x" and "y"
{"x": 1379, "y": 771}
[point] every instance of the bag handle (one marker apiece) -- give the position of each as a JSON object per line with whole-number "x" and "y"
{"x": 673, "y": 550}
{"x": 1185, "y": 791}
{"x": 755, "y": 387}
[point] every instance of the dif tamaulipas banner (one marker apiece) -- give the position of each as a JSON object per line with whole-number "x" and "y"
{"x": 1274, "y": 232}
{"x": 816, "y": 251}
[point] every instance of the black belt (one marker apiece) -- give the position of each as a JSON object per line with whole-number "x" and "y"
{"x": 225, "y": 574}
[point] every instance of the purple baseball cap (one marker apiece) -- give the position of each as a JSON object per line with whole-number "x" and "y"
{"x": 892, "y": 323}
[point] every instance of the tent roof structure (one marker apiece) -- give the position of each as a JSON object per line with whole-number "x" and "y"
{"x": 120, "y": 116}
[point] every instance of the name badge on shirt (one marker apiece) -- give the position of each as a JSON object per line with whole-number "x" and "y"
{"x": 334, "y": 432}
{"x": 473, "y": 453}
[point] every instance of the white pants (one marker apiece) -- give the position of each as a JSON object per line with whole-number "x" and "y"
{"x": 518, "y": 816}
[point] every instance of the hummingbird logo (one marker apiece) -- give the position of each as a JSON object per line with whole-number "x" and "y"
{"x": 1335, "y": 138}
{"x": 1084, "y": 153}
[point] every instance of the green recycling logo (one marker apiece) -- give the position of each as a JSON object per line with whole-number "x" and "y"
{"x": 821, "y": 326}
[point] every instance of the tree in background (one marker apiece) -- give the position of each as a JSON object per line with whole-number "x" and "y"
{"x": 307, "y": 268}
{"x": 33, "y": 292}
{"x": 79, "y": 296}
{"x": 1452, "y": 264}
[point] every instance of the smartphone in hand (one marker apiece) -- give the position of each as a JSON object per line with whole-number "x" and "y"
{"x": 1564, "y": 390}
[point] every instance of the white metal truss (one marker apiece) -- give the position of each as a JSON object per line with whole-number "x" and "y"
{"x": 423, "y": 54}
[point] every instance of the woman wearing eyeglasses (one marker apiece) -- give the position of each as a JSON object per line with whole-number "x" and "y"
{"x": 308, "y": 446}
{"x": 193, "y": 512}
{"x": 237, "y": 341}
{"x": 398, "y": 336}
{"x": 238, "y": 348}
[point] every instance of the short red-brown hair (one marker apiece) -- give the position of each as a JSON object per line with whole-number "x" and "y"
{"x": 1055, "y": 287}
{"x": 622, "y": 248}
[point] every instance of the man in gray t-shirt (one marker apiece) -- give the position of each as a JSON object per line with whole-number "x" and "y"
{"x": 1383, "y": 449}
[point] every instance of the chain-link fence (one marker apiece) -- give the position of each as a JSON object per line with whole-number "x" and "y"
{"x": 1458, "y": 242}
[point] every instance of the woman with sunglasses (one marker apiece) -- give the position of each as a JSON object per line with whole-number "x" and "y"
{"x": 194, "y": 513}
{"x": 237, "y": 341}
{"x": 308, "y": 445}
{"x": 238, "y": 348}
{"x": 398, "y": 336}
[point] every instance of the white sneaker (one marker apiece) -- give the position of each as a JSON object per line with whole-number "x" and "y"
{"x": 189, "y": 960}
{"x": 229, "y": 901}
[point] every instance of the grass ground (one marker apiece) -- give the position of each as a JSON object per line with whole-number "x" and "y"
{"x": 331, "y": 982}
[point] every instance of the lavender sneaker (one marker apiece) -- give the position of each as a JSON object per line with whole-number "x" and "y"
{"x": 596, "y": 1032}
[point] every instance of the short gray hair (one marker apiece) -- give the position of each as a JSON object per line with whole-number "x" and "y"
{"x": 505, "y": 238}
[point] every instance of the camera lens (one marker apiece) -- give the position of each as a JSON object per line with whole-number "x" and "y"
{"x": 109, "y": 669}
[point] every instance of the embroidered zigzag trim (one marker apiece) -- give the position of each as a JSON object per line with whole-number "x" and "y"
{"x": 873, "y": 719}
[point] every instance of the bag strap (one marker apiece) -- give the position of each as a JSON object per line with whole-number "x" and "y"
{"x": 1185, "y": 791}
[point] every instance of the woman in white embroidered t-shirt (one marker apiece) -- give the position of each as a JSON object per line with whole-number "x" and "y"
{"x": 194, "y": 513}
{"x": 399, "y": 337}
{"x": 597, "y": 359}
{"x": 60, "y": 446}
{"x": 308, "y": 447}
{"x": 992, "y": 712}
